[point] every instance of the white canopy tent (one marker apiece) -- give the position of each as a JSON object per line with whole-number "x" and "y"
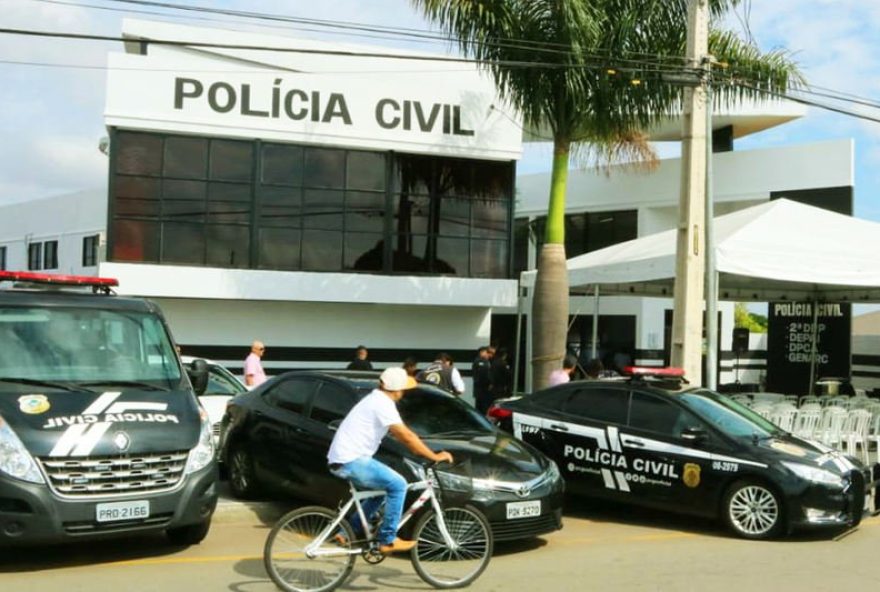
{"x": 775, "y": 251}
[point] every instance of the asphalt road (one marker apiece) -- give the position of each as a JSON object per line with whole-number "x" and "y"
{"x": 600, "y": 548}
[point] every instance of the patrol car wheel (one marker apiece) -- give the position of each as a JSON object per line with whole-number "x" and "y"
{"x": 752, "y": 510}
{"x": 242, "y": 480}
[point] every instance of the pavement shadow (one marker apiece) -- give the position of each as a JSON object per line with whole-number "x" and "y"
{"x": 392, "y": 574}
{"x": 26, "y": 559}
{"x": 605, "y": 511}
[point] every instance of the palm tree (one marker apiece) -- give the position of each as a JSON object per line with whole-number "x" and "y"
{"x": 594, "y": 73}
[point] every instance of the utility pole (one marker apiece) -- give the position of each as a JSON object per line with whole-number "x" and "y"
{"x": 687, "y": 318}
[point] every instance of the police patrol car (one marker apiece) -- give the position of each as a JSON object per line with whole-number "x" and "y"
{"x": 100, "y": 430}
{"x": 694, "y": 451}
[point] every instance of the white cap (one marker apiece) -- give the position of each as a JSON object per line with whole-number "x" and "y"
{"x": 396, "y": 379}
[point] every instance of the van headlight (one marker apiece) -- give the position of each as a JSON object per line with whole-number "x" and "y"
{"x": 15, "y": 460}
{"x": 202, "y": 455}
{"x": 814, "y": 474}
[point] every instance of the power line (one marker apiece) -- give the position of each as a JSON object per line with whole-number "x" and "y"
{"x": 807, "y": 102}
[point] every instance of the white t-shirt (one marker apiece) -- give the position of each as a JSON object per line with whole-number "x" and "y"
{"x": 361, "y": 432}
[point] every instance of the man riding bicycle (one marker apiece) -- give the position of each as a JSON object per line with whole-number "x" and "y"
{"x": 357, "y": 440}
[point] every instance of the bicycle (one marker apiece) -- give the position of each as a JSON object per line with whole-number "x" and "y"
{"x": 313, "y": 549}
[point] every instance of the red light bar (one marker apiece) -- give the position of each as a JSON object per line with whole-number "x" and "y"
{"x": 668, "y": 372}
{"x": 57, "y": 280}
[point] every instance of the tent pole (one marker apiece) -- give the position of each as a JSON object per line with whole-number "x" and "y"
{"x": 516, "y": 358}
{"x": 813, "y": 348}
{"x": 594, "y": 346}
{"x": 711, "y": 277}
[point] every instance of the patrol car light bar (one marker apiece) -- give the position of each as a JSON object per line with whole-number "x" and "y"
{"x": 668, "y": 372}
{"x": 57, "y": 280}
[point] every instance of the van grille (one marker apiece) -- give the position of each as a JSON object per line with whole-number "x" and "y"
{"x": 115, "y": 475}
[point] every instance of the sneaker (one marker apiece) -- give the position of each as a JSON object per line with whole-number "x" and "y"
{"x": 397, "y": 546}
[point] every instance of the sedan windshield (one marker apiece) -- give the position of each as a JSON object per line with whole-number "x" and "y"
{"x": 80, "y": 347}
{"x": 430, "y": 413}
{"x": 727, "y": 415}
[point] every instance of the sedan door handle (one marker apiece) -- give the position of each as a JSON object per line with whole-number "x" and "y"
{"x": 634, "y": 443}
{"x": 559, "y": 426}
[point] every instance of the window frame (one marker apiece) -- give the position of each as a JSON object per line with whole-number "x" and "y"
{"x": 35, "y": 256}
{"x": 90, "y": 250}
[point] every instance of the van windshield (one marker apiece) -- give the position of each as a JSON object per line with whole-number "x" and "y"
{"x": 82, "y": 345}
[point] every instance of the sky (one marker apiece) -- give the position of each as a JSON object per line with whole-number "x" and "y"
{"x": 52, "y": 90}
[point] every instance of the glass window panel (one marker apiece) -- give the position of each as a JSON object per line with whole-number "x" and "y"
{"x": 186, "y": 158}
{"x": 332, "y": 403}
{"x": 282, "y": 164}
{"x": 183, "y": 211}
{"x": 364, "y": 211}
{"x": 322, "y": 209}
{"x": 410, "y": 254}
{"x": 521, "y": 244}
{"x": 136, "y": 187}
{"x": 183, "y": 243}
{"x": 411, "y": 214}
{"x": 229, "y": 246}
{"x": 414, "y": 174}
{"x": 324, "y": 168}
{"x": 656, "y": 415}
{"x": 363, "y": 251}
{"x": 453, "y": 177}
{"x": 138, "y": 154}
{"x": 493, "y": 180}
{"x": 231, "y": 160}
{"x": 607, "y": 405}
{"x": 279, "y": 248}
{"x": 229, "y": 203}
{"x": 488, "y": 258}
{"x": 452, "y": 256}
{"x": 280, "y": 206}
{"x": 455, "y": 217}
{"x": 609, "y": 228}
{"x": 575, "y": 234}
{"x": 35, "y": 256}
{"x": 173, "y": 189}
{"x": 366, "y": 170}
{"x": 137, "y": 207}
{"x": 490, "y": 218}
{"x": 322, "y": 250}
{"x": 135, "y": 240}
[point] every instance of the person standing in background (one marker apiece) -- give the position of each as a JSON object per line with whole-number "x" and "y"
{"x": 253, "y": 365}
{"x": 502, "y": 377}
{"x": 411, "y": 366}
{"x": 481, "y": 371}
{"x": 443, "y": 373}
{"x": 360, "y": 362}
{"x": 563, "y": 375}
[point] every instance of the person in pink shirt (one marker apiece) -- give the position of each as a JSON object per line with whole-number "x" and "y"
{"x": 253, "y": 367}
{"x": 562, "y": 375}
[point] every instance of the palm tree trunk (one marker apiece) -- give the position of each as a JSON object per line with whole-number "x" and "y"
{"x": 550, "y": 307}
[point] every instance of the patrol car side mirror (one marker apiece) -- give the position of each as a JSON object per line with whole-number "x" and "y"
{"x": 694, "y": 435}
{"x": 198, "y": 376}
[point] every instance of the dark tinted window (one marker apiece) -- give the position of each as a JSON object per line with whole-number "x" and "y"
{"x": 221, "y": 383}
{"x": 35, "y": 256}
{"x": 602, "y": 404}
{"x": 332, "y": 402}
{"x": 50, "y": 255}
{"x": 428, "y": 412}
{"x": 292, "y": 394}
{"x": 550, "y": 399}
{"x": 654, "y": 414}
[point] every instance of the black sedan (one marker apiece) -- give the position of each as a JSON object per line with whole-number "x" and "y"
{"x": 692, "y": 451}
{"x": 276, "y": 437}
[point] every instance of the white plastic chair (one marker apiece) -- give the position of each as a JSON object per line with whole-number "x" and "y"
{"x": 806, "y": 421}
{"x": 783, "y": 415}
{"x": 793, "y": 399}
{"x": 830, "y": 424}
{"x": 742, "y": 399}
{"x": 808, "y": 400}
{"x": 854, "y": 433}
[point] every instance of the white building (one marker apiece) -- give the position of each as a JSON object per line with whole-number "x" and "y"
{"x": 317, "y": 199}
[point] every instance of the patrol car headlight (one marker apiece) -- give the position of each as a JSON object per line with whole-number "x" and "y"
{"x": 15, "y": 460}
{"x": 553, "y": 473}
{"x": 203, "y": 453}
{"x": 814, "y": 474}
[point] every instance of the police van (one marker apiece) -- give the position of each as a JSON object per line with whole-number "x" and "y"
{"x": 646, "y": 441}
{"x": 101, "y": 433}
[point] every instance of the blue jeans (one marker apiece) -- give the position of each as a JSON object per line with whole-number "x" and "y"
{"x": 368, "y": 473}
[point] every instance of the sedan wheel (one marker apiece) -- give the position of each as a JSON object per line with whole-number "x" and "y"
{"x": 241, "y": 473}
{"x": 753, "y": 511}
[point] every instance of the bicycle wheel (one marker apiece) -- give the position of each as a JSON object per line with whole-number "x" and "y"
{"x": 444, "y": 566}
{"x": 285, "y": 558}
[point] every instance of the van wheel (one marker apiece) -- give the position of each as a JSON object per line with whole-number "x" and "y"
{"x": 192, "y": 534}
{"x": 242, "y": 480}
{"x": 753, "y": 510}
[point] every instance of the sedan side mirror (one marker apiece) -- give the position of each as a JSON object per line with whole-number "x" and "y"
{"x": 198, "y": 376}
{"x": 694, "y": 435}
{"x": 334, "y": 425}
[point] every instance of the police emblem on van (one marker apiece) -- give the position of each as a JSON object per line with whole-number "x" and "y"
{"x": 33, "y": 404}
{"x": 691, "y": 475}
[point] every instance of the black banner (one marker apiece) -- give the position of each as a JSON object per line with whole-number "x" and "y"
{"x": 790, "y": 341}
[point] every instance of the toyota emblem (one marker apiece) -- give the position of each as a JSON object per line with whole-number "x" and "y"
{"x": 523, "y": 491}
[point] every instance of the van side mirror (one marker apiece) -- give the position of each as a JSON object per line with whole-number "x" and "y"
{"x": 694, "y": 435}
{"x": 197, "y": 370}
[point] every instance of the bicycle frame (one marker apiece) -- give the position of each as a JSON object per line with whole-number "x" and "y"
{"x": 313, "y": 549}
